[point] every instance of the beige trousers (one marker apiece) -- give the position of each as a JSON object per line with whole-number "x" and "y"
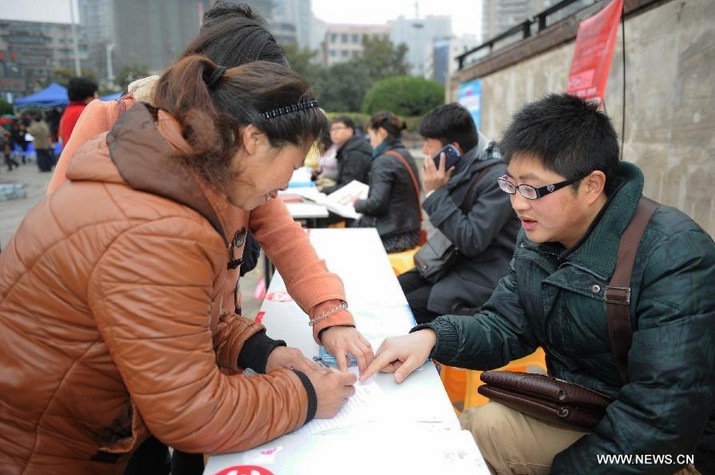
{"x": 513, "y": 443}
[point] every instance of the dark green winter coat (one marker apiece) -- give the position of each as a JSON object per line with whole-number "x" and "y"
{"x": 555, "y": 299}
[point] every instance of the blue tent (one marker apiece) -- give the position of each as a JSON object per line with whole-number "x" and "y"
{"x": 111, "y": 97}
{"x": 53, "y": 95}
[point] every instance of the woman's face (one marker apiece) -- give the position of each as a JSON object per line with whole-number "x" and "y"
{"x": 259, "y": 170}
{"x": 377, "y": 136}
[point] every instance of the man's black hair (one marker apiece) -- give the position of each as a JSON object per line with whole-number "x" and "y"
{"x": 450, "y": 123}
{"x": 80, "y": 88}
{"x": 567, "y": 135}
{"x": 344, "y": 120}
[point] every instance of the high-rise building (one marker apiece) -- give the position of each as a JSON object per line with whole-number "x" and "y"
{"x": 500, "y": 15}
{"x": 295, "y": 15}
{"x": 317, "y": 34}
{"x": 418, "y": 35}
{"x": 97, "y": 20}
{"x": 31, "y": 51}
{"x": 344, "y": 41}
{"x": 153, "y": 34}
{"x": 441, "y": 61}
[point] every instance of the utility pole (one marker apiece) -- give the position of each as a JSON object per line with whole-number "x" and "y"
{"x": 110, "y": 68}
{"x": 75, "y": 47}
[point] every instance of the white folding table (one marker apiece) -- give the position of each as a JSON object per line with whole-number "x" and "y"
{"x": 387, "y": 427}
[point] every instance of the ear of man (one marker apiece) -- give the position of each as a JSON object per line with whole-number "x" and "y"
{"x": 594, "y": 185}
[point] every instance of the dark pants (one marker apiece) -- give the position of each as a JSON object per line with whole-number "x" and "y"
{"x": 417, "y": 290}
{"x": 10, "y": 162}
{"x": 44, "y": 160}
{"x": 152, "y": 458}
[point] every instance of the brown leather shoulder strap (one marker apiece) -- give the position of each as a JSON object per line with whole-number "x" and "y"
{"x": 415, "y": 183}
{"x": 618, "y": 292}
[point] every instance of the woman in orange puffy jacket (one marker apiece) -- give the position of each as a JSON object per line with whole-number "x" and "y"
{"x": 112, "y": 318}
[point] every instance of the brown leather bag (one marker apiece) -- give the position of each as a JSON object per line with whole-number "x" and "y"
{"x": 546, "y": 397}
{"x": 564, "y": 402}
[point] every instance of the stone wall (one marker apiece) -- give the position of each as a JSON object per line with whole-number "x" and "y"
{"x": 669, "y": 98}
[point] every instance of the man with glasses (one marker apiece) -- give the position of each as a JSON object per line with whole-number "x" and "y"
{"x": 354, "y": 154}
{"x": 574, "y": 199}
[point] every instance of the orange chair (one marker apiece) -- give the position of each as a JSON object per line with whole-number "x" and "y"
{"x": 454, "y": 381}
{"x": 461, "y": 384}
{"x": 402, "y": 261}
{"x": 534, "y": 363}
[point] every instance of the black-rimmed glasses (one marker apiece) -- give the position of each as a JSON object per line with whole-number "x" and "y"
{"x": 531, "y": 193}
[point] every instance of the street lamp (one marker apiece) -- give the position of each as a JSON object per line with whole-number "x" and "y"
{"x": 110, "y": 69}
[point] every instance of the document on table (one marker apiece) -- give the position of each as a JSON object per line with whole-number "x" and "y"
{"x": 360, "y": 408}
{"x": 341, "y": 201}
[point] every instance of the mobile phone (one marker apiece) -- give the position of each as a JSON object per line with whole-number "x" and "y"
{"x": 451, "y": 155}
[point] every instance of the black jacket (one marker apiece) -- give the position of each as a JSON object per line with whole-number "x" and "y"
{"x": 392, "y": 200}
{"x": 485, "y": 237}
{"x": 354, "y": 159}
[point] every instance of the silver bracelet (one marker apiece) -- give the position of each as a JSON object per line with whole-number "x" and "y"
{"x": 343, "y": 305}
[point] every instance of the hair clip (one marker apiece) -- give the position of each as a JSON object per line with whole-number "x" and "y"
{"x": 291, "y": 108}
{"x": 214, "y": 77}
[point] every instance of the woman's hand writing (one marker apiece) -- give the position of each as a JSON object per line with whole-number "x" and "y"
{"x": 332, "y": 388}
{"x": 290, "y": 358}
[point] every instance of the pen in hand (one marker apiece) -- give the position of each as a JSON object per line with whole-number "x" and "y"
{"x": 319, "y": 361}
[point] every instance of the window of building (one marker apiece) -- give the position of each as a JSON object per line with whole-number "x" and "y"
{"x": 356, "y": 39}
{"x": 344, "y": 38}
{"x": 344, "y": 53}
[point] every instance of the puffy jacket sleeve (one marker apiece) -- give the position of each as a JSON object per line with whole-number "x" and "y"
{"x": 306, "y": 276}
{"x": 97, "y": 117}
{"x": 671, "y": 365}
{"x": 497, "y": 334}
{"x": 382, "y": 177}
{"x": 151, "y": 295}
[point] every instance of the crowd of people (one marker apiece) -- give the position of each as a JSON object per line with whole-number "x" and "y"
{"x": 140, "y": 308}
{"x": 45, "y": 131}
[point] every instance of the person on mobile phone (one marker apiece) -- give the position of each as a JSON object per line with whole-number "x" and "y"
{"x": 463, "y": 202}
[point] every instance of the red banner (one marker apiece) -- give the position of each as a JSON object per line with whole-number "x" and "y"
{"x": 595, "y": 40}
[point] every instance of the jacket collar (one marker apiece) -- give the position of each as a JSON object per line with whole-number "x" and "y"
{"x": 143, "y": 158}
{"x": 352, "y": 143}
{"x": 598, "y": 249}
{"x": 470, "y": 163}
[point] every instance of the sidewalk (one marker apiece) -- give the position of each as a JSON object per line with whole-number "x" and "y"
{"x": 13, "y": 211}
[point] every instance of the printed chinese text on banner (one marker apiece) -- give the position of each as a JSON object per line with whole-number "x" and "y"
{"x": 595, "y": 40}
